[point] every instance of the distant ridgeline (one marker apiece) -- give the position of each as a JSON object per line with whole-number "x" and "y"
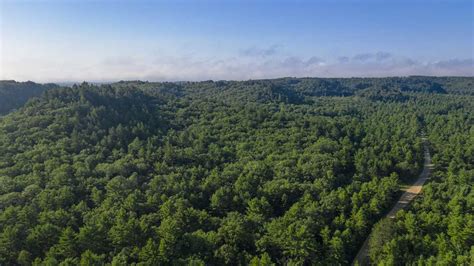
{"x": 15, "y": 94}
{"x": 288, "y": 90}
{"x": 290, "y": 171}
{"x": 298, "y": 90}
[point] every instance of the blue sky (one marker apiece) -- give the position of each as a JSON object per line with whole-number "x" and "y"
{"x": 107, "y": 40}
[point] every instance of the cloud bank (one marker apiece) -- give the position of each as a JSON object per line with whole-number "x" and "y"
{"x": 249, "y": 63}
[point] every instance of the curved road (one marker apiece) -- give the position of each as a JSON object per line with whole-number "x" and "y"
{"x": 362, "y": 256}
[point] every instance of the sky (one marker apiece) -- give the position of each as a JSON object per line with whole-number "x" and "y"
{"x": 72, "y": 40}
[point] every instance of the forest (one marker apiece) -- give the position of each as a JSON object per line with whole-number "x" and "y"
{"x": 290, "y": 171}
{"x": 15, "y": 94}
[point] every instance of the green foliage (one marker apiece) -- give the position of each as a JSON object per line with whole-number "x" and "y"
{"x": 265, "y": 172}
{"x": 14, "y": 94}
{"x": 382, "y": 233}
{"x": 439, "y": 226}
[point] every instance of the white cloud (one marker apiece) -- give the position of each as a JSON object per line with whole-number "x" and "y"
{"x": 268, "y": 65}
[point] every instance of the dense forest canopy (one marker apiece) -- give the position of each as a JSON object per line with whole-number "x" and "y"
{"x": 285, "y": 171}
{"x": 15, "y": 94}
{"x": 438, "y": 228}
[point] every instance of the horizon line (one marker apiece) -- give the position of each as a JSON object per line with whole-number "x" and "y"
{"x": 71, "y": 82}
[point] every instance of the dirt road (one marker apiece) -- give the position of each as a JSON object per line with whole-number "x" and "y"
{"x": 362, "y": 256}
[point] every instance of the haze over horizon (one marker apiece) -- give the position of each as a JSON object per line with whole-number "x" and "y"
{"x": 61, "y": 41}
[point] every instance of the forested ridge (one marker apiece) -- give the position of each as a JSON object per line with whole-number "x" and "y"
{"x": 286, "y": 171}
{"x": 14, "y": 94}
